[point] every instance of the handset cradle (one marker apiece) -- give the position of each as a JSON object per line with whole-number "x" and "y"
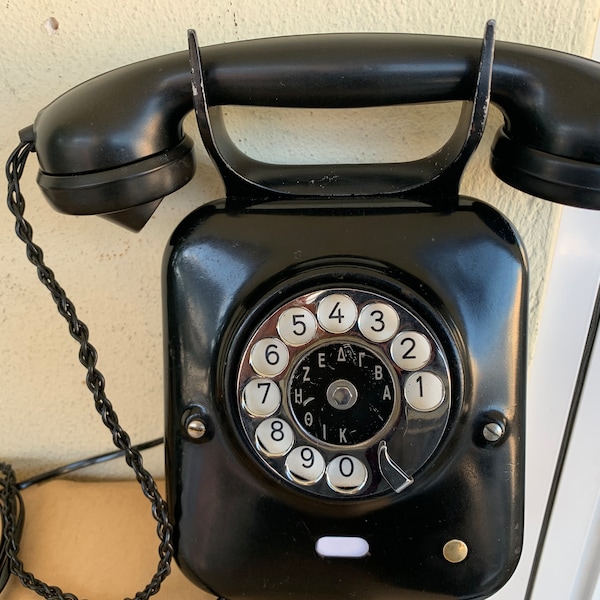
{"x": 435, "y": 177}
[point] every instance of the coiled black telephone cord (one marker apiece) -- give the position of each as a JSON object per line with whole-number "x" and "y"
{"x": 11, "y": 507}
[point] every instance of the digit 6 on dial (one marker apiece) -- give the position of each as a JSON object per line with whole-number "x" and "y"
{"x": 269, "y": 357}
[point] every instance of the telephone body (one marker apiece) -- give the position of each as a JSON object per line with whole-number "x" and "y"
{"x": 345, "y": 344}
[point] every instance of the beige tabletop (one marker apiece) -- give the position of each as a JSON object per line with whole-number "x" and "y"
{"x": 95, "y": 540}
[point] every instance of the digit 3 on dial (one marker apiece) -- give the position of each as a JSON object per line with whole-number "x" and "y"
{"x": 344, "y": 392}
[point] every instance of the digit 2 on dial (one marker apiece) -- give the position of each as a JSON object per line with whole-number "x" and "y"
{"x": 343, "y": 392}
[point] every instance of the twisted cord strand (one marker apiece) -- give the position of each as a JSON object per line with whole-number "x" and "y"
{"x": 9, "y": 496}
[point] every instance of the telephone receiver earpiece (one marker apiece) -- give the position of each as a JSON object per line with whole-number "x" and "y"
{"x": 115, "y": 145}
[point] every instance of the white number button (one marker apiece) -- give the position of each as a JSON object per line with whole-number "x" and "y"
{"x": 378, "y": 322}
{"x": 346, "y": 474}
{"x": 337, "y": 313}
{"x": 274, "y": 437}
{"x": 261, "y": 397}
{"x": 297, "y": 326}
{"x": 305, "y": 465}
{"x": 424, "y": 391}
{"x": 411, "y": 350}
{"x": 269, "y": 357}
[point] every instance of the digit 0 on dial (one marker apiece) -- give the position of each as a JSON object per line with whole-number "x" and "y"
{"x": 343, "y": 392}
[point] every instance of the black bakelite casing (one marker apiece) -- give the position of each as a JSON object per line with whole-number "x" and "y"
{"x": 240, "y": 532}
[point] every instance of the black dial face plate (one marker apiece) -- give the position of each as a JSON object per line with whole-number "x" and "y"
{"x": 342, "y": 393}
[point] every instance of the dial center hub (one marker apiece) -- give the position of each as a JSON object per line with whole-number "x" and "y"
{"x": 342, "y": 394}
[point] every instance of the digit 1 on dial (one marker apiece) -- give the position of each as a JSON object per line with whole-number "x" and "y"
{"x": 424, "y": 391}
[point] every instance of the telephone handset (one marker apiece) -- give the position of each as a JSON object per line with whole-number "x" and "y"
{"x": 345, "y": 344}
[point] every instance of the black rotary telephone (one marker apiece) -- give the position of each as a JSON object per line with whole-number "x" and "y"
{"x": 345, "y": 344}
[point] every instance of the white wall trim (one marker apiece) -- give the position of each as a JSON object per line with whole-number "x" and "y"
{"x": 572, "y": 285}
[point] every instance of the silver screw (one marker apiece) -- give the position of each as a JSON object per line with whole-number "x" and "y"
{"x": 196, "y": 429}
{"x": 493, "y": 432}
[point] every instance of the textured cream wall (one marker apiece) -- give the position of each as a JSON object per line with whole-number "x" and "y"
{"x": 113, "y": 276}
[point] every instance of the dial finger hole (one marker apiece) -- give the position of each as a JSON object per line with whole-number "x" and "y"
{"x": 305, "y": 465}
{"x": 346, "y": 474}
{"x": 274, "y": 437}
{"x": 411, "y": 350}
{"x": 337, "y": 313}
{"x": 424, "y": 391}
{"x": 378, "y": 322}
{"x": 297, "y": 326}
{"x": 269, "y": 357}
{"x": 261, "y": 397}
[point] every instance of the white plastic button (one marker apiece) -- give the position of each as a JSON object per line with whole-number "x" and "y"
{"x": 274, "y": 437}
{"x": 261, "y": 397}
{"x": 305, "y": 465}
{"x": 378, "y": 322}
{"x": 336, "y": 546}
{"x": 346, "y": 474}
{"x": 424, "y": 391}
{"x": 297, "y": 326}
{"x": 337, "y": 313}
{"x": 269, "y": 357}
{"x": 411, "y": 350}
